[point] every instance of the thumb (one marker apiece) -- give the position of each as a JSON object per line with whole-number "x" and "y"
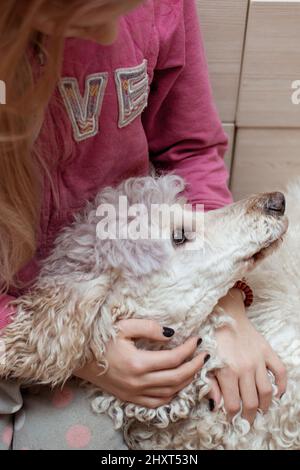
{"x": 150, "y": 329}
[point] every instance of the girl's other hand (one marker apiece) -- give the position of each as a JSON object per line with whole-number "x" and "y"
{"x": 245, "y": 380}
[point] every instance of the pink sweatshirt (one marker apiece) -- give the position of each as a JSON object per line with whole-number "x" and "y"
{"x": 146, "y": 97}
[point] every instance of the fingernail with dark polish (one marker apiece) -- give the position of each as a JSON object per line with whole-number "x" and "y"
{"x": 199, "y": 341}
{"x": 282, "y": 395}
{"x": 211, "y": 404}
{"x": 168, "y": 332}
{"x": 207, "y": 358}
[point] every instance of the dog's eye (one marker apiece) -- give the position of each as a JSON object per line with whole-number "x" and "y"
{"x": 179, "y": 237}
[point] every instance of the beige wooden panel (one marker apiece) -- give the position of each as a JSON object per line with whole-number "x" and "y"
{"x": 264, "y": 160}
{"x": 223, "y": 25}
{"x": 230, "y": 131}
{"x": 271, "y": 64}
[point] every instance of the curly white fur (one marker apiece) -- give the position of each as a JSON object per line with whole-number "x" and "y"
{"x": 86, "y": 285}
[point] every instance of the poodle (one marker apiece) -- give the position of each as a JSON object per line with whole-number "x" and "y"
{"x": 90, "y": 281}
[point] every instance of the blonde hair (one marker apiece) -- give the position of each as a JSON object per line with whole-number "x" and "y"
{"x": 29, "y": 88}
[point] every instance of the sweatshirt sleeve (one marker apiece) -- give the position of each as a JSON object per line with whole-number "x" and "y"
{"x": 181, "y": 122}
{"x": 5, "y": 310}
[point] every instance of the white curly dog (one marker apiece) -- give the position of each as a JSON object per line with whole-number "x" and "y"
{"x": 86, "y": 285}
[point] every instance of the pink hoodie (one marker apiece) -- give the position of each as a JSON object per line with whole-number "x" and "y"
{"x": 146, "y": 97}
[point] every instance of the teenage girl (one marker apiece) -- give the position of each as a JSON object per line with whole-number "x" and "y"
{"x": 96, "y": 89}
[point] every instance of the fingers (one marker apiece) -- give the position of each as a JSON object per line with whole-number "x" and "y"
{"x": 149, "y": 329}
{"x": 168, "y": 359}
{"x": 253, "y": 389}
{"x": 228, "y": 383}
{"x": 168, "y": 392}
{"x": 279, "y": 371}
{"x": 175, "y": 377}
{"x": 214, "y": 396}
{"x": 264, "y": 388}
{"x": 249, "y": 396}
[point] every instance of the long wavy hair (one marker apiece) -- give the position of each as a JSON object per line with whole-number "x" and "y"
{"x": 30, "y": 83}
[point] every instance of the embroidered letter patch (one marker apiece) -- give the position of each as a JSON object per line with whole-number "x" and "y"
{"x": 84, "y": 111}
{"x": 132, "y": 85}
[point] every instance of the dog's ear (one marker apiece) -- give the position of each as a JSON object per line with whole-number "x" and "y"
{"x": 51, "y": 334}
{"x": 136, "y": 257}
{"x": 128, "y": 209}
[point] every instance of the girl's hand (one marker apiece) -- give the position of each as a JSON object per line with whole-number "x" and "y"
{"x": 146, "y": 378}
{"x": 248, "y": 356}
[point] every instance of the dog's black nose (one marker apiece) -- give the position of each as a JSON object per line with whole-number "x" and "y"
{"x": 275, "y": 204}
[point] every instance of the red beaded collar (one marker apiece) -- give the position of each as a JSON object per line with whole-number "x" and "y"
{"x": 247, "y": 291}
